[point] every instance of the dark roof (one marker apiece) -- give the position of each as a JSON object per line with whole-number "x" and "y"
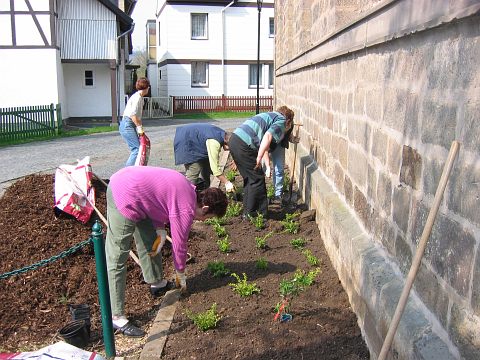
{"x": 124, "y": 19}
{"x": 199, "y": 2}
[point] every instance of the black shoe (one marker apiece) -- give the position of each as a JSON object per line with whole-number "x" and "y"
{"x": 130, "y": 330}
{"x": 277, "y": 200}
{"x": 160, "y": 291}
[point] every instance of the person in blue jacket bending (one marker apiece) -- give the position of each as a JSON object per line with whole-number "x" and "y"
{"x": 197, "y": 147}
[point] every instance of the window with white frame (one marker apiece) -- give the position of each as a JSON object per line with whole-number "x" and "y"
{"x": 271, "y": 31}
{"x": 89, "y": 79}
{"x": 199, "y": 74}
{"x": 158, "y": 34}
{"x": 252, "y": 76}
{"x": 199, "y": 26}
{"x": 270, "y": 76}
{"x": 152, "y": 40}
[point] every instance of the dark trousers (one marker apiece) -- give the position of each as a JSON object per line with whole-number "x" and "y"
{"x": 254, "y": 188}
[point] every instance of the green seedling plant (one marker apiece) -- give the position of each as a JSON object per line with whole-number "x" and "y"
{"x": 289, "y": 288}
{"x": 216, "y": 221}
{"x": 231, "y": 174}
{"x": 298, "y": 243}
{"x": 277, "y": 308}
{"x": 270, "y": 191}
{"x": 218, "y": 269}
{"x": 233, "y": 209}
{"x": 242, "y": 287}
{"x": 304, "y": 279}
{"x": 206, "y": 320}
{"x": 257, "y": 221}
{"x": 290, "y": 224}
{"x": 261, "y": 241}
{"x": 261, "y": 264}
{"x": 224, "y": 244}
{"x": 311, "y": 259}
{"x": 220, "y": 230}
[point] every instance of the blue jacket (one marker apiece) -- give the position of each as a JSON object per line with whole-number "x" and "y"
{"x": 190, "y": 142}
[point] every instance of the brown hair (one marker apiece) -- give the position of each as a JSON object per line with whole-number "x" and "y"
{"x": 287, "y": 112}
{"x": 215, "y": 199}
{"x": 142, "y": 83}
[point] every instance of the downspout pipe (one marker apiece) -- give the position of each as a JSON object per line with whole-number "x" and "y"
{"x": 132, "y": 27}
{"x": 223, "y": 44}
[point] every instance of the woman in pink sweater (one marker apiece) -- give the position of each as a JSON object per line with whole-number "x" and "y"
{"x": 141, "y": 200}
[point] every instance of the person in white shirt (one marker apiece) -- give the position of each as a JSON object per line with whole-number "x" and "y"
{"x": 131, "y": 124}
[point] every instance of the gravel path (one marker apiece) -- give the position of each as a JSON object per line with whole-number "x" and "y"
{"x": 108, "y": 152}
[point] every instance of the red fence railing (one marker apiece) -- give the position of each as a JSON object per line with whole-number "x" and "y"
{"x": 192, "y": 104}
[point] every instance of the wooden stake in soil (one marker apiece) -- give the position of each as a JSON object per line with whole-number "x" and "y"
{"x": 292, "y": 173}
{"x": 420, "y": 250}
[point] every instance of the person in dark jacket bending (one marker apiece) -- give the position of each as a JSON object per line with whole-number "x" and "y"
{"x": 197, "y": 147}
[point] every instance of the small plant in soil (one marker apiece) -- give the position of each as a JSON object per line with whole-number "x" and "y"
{"x": 64, "y": 300}
{"x": 304, "y": 279}
{"x": 218, "y": 269}
{"x": 242, "y": 287}
{"x": 270, "y": 191}
{"x": 231, "y": 174}
{"x": 298, "y": 243}
{"x": 216, "y": 221}
{"x": 311, "y": 259}
{"x": 261, "y": 241}
{"x": 224, "y": 244}
{"x": 233, "y": 209}
{"x": 289, "y": 288}
{"x": 206, "y": 320}
{"x": 220, "y": 230}
{"x": 257, "y": 221}
{"x": 278, "y": 307}
{"x": 290, "y": 224}
{"x": 261, "y": 264}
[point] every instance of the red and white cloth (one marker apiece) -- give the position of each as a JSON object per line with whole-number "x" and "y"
{"x": 74, "y": 193}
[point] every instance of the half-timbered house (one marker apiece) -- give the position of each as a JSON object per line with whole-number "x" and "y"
{"x": 67, "y": 52}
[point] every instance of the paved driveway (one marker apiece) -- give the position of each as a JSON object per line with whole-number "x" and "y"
{"x": 108, "y": 152}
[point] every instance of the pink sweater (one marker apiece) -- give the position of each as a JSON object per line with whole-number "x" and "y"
{"x": 161, "y": 195}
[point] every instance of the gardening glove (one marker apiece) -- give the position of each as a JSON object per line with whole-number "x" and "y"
{"x": 229, "y": 187}
{"x": 140, "y": 131}
{"x": 159, "y": 242}
{"x": 181, "y": 280}
{"x": 268, "y": 171}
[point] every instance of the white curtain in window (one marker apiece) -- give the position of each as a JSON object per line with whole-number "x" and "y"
{"x": 199, "y": 26}
{"x": 199, "y": 73}
{"x": 253, "y": 75}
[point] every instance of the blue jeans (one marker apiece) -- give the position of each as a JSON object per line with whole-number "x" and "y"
{"x": 128, "y": 130}
{"x": 278, "y": 159}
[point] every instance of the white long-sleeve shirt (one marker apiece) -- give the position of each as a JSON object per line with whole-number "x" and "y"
{"x": 134, "y": 106}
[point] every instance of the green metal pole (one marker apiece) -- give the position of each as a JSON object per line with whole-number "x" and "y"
{"x": 103, "y": 293}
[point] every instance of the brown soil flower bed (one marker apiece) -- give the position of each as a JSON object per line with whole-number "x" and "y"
{"x": 34, "y": 304}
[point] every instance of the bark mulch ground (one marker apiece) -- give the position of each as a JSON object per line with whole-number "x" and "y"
{"x": 34, "y": 305}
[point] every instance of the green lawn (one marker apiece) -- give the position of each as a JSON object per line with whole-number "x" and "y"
{"x": 216, "y": 115}
{"x": 62, "y": 134}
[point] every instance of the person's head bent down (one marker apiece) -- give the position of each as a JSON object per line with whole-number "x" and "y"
{"x": 211, "y": 202}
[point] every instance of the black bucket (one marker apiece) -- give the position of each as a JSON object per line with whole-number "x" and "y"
{"x": 75, "y": 333}
{"x": 81, "y": 312}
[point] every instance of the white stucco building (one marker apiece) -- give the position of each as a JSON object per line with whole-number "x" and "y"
{"x": 68, "y": 52}
{"x": 209, "y": 48}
